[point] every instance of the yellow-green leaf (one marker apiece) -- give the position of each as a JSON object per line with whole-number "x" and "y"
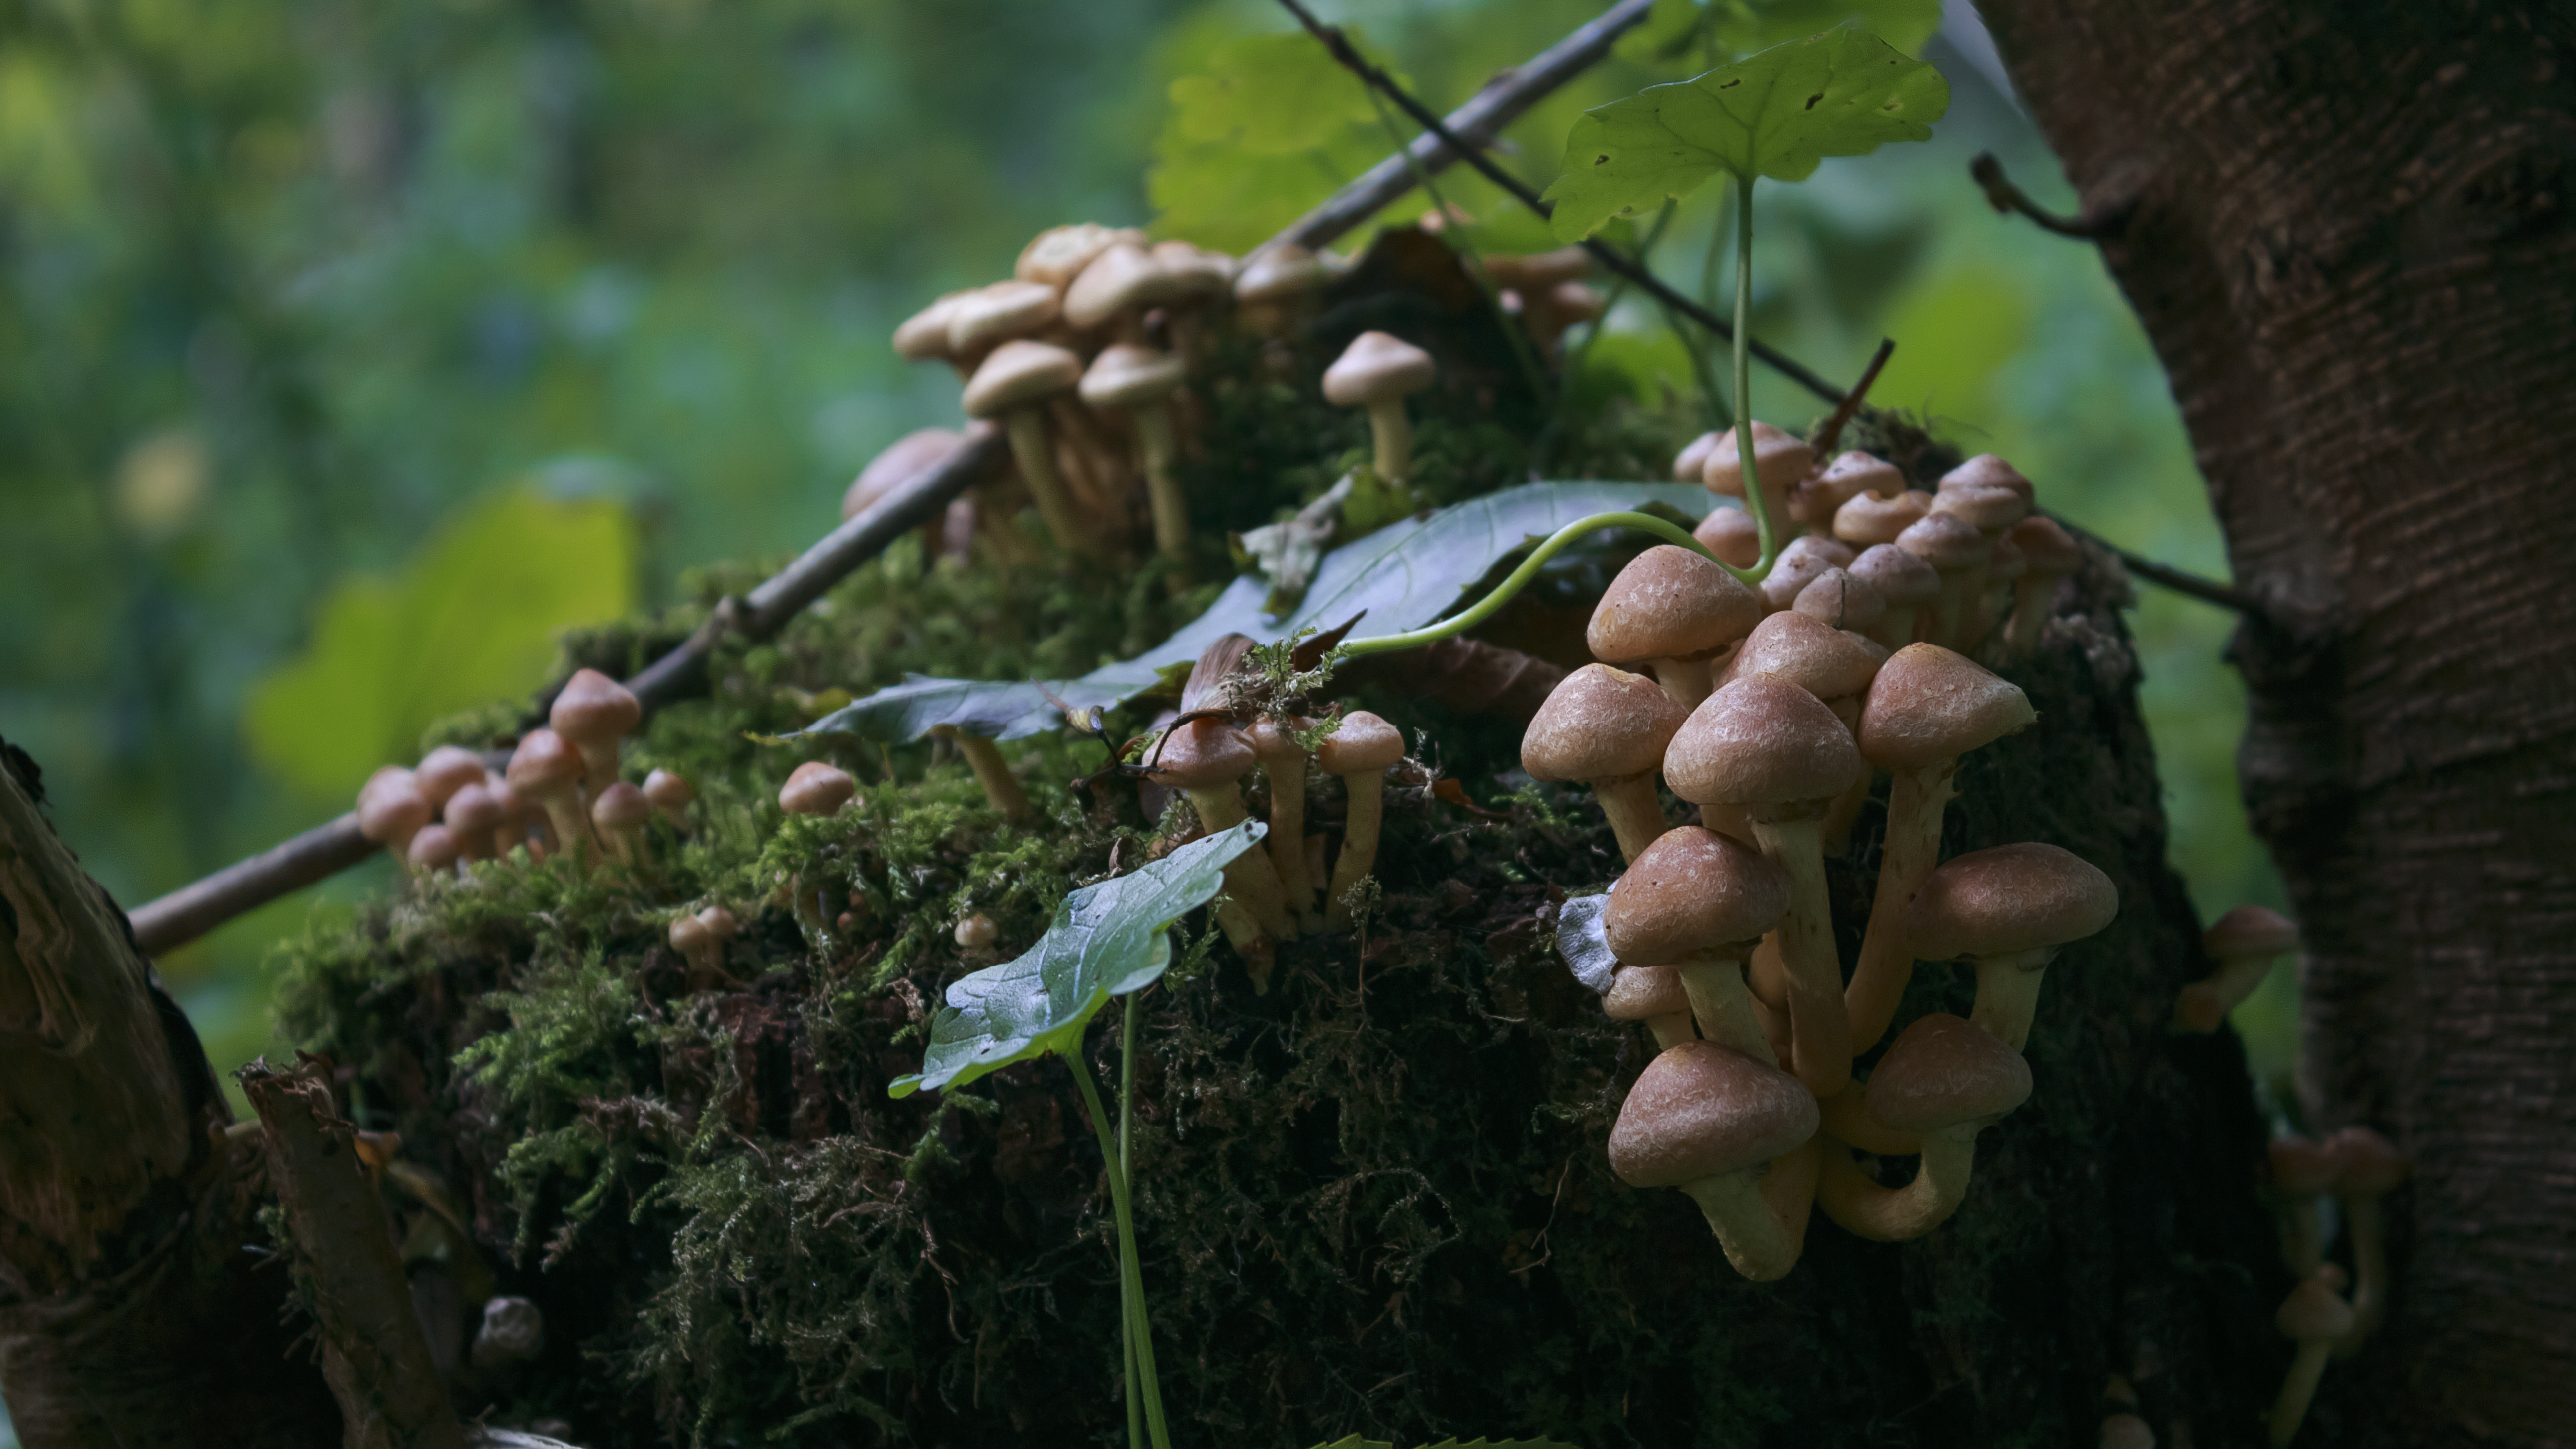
{"x": 1264, "y": 127}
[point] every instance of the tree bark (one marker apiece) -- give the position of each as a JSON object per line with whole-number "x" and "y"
{"x": 2348, "y": 237}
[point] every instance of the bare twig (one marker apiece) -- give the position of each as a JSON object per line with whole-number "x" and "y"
{"x": 1476, "y": 123}
{"x": 1849, "y": 408}
{"x": 1608, "y": 256}
{"x": 2005, "y": 197}
{"x": 2181, "y": 581}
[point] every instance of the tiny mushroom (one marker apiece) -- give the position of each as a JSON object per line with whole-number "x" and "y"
{"x": 548, "y": 770}
{"x": 2372, "y": 1169}
{"x": 982, "y": 321}
{"x": 1801, "y": 560}
{"x": 2244, "y": 942}
{"x": 1841, "y": 600}
{"x": 391, "y": 810}
{"x": 1780, "y": 461}
{"x": 1001, "y": 788}
{"x": 1867, "y": 519}
{"x": 1697, "y": 902}
{"x": 1115, "y": 290}
{"x": 1849, "y": 476}
{"x": 1653, "y": 995}
{"x": 1013, "y": 387}
{"x": 1377, "y": 372}
{"x": 1709, "y": 1121}
{"x": 671, "y": 794}
{"x": 1607, "y": 728}
{"x": 1690, "y": 465}
{"x": 817, "y": 788}
{"x": 1732, "y": 535}
{"x": 432, "y": 850}
{"x": 1990, "y": 508}
{"x": 1360, "y": 751}
{"x": 516, "y": 814}
{"x": 1675, "y": 611}
{"x": 513, "y": 1331}
{"x": 593, "y": 713}
{"x": 446, "y": 770}
{"x": 923, "y": 336}
{"x": 1058, "y": 254}
{"x": 1908, "y": 584}
{"x": 472, "y": 815}
{"x": 1958, "y": 553}
{"x": 2005, "y": 911}
{"x": 2314, "y": 1317}
{"x": 1283, "y": 763}
{"x": 1139, "y": 379}
{"x": 901, "y": 461}
{"x": 720, "y": 927}
{"x": 619, "y": 815}
{"x": 1204, "y": 758}
{"x": 1942, "y": 1082}
{"x": 2302, "y": 1171}
{"x": 689, "y": 937}
{"x": 1276, "y": 287}
{"x": 2048, "y": 554}
{"x": 976, "y": 932}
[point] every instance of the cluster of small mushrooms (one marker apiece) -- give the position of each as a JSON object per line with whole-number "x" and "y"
{"x": 1083, "y": 358}
{"x": 1770, "y": 709}
{"x": 2358, "y": 1168}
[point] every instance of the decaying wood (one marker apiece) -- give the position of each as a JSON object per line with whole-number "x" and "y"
{"x": 2349, "y": 236}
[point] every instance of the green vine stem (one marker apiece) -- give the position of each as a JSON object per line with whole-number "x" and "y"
{"x": 1744, "y": 460}
{"x": 1519, "y": 578}
{"x": 1128, "y": 1302}
{"x": 1131, "y": 1277}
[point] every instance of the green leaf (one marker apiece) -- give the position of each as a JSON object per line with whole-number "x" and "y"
{"x": 1684, "y": 29}
{"x": 1776, "y": 114}
{"x": 471, "y": 619}
{"x": 1402, "y": 576}
{"x": 1107, "y": 940}
{"x": 1263, "y": 128}
{"x": 1269, "y": 95}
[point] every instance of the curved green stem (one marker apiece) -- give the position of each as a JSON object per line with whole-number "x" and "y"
{"x": 1519, "y": 578}
{"x": 1128, "y": 1303}
{"x": 1744, "y": 378}
{"x": 1131, "y": 1277}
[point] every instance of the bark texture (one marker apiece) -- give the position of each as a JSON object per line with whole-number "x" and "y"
{"x": 2349, "y": 237}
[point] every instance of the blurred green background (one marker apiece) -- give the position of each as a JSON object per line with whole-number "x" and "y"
{"x": 346, "y": 350}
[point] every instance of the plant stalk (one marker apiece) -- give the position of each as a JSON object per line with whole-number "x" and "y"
{"x": 1131, "y": 1277}
{"x": 1744, "y": 382}
{"x": 1519, "y": 578}
{"x": 1127, "y": 1302}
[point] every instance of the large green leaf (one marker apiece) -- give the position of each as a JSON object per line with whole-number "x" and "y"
{"x": 1107, "y": 940}
{"x": 1401, "y": 577}
{"x": 470, "y": 619}
{"x": 1681, "y": 29}
{"x": 1261, "y": 128}
{"x": 1776, "y": 114}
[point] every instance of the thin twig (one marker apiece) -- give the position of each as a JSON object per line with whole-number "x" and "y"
{"x": 1608, "y": 256}
{"x": 2005, "y": 197}
{"x": 1849, "y": 408}
{"x": 2181, "y": 581}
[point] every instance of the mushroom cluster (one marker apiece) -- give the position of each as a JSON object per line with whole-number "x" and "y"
{"x": 1969, "y": 566}
{"x": 1772, "y": 710}
{"x": 2359, "y": 1168}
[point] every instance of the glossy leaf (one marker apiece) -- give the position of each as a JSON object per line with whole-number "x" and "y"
{"x": 1401, "y": 577}
{"x": 1776, "y": 114}
{"x": 1107, "y": 940}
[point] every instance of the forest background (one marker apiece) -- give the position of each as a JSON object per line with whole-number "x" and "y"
{"x": 349, "y": 351}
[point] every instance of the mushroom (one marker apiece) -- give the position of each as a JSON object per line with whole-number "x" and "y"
{"x": 816, "y": 788}
{"x": 1201, "y": 277}
{"x": 1838, "y": 599}
{"x": 1115, "y": 290}
{"x": 1013, "y": 386}
{"x": 516, "y": 814}
{"x": 1058, "y": 254}
{"x": 2006, "y": 911}
{"x": 391, "y": 810}
{"x": 2048, "y": 555}
{"x": 2302, "y": 1171}
{"x": 2126, "y": 1431}
{"x": 1957, "y": 552}
{"x": 472, "y": 815}
{"x": 2004, "y": 569}
{"x": 671, "y": 794}
{"x": 1990, "y": 508}
{"x": 1690, "y": 465}
{"x": 1834, "y": 666}
{"x": 547, "y": 770}
{"x": 1800, "y": 561}
{"x": 1732, "y": 535}
{"x": 619, "y": 815}
{"x": 1360, "y": 751}
{"x": 446, "y": 770}
{"x": 1138, "y": 379}
{"x": 923, "y": 336}
{"x": 1697, "y": 901}
{"x": 1653, "y": 995}
{"x": 1926, "y": 708}
{"x": 1846, "y": 478}
{"x": 593, "y": 713}
{"x": 1773, "y": 748}
{"x": 2372, "y": 1169}
{"x": 1675, "y": 611}
{"x": 1203, "y": 759}
{"x": 1780, "y": 460}
{"x": 1867, "y": 519}
{"x": 982, "y": 321}
{"x": 720, "y": 927}
{"x": 1549, "y": 312}
{"x": 1001, "y": 788}
{"x": 2244, "y": 942}
{"x": 975, "y": 933}
{"x": 1987, "y": 470}
{"x": 1942, "y": 1081}
{"x": 689, "y": 937}
{"x": 901, "y": 461}
{"x": 513, "y": 1332}
{"x": 432, "y": 850}
{"x": 1377, "y": 371}
{"x": 1847, "y": 1120}
{"x": 1708, "y": 1121}
{"x": 1607, "y": 728}
{"x": 1275, "y": 288}
{"x": 1908, "y": 584}
{"x": 2314, "y": 1317}
{"x": 1283, "y": 763}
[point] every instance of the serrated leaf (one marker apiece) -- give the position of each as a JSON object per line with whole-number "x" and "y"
{"x": 1107, "y": 940}
{"x": 1580, "y": 943}
{"x": 1261, "y": 128}
{"x": 1681, "y": 29}
{"x": 1269, "y": 95}
{"x": 1403, "y": 576}
{"x": 1775, "y": 114}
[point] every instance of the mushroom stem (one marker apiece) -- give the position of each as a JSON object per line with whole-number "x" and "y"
{"x": 1893, "y": 1215}
{"x": 1745, "y": 1226}
{"x": 1162, "y": 490}
{"x": 1001, "y": 788}
{"x": 1636, "y": 814}
{"x": 1846, "y": 1117}
{"x": 1359, "y": 844}
{"x": 1248, "y": 877}
{"x": 1284, "y": 761}
{"x": 1789, "y": 1190}
{"x": 1915, "y": 802}
{"x": 1688, "y": 681}
{"x": 2298, "y": 1389}
{"x": 1392, "y": 436}
{"x": 1714, "y": 981}
{"x": 1819, "y": 1031}
{"x": 2008, "y": 993}
{"x": 1026, "y": 428}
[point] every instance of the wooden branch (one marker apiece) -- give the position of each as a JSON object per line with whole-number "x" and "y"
{"x": 1849, "y": 408}
{"x": 2007, "y": 198}
{"x": 1474, "y": 124}
{"x": 373, "y": 1351}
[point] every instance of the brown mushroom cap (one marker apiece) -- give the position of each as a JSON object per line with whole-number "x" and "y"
{"x": 2313, "y": 1311}
{"x": 2004, "y": 562}
{"x": 1855, "y": 473}
{"x": 1807, "y": 652}
{"x": 997, "y": 313}
{"x": 1361, "y": 743}
{"x": 1944, "y": 1072}
{"x": 2372, "y": 1165}
{"x": 719, "y": 922}
{"x": 390, "y": 805}
{"x": 2007, "y": 900}
{"x": 2048, "y": 549}
{"x": 1732, "y": 535}
{"x": 433, "y": 848}
{"x": 1600, "y": 723}
{"x": 1700, "y": 1110}
{"x": 446, "y": 770}
{"x": 1280, "y": 274}
{"x": 473, "y": 813}
{"x": 1194, "y": 269}
{"x": 1642, "y": 993}
{"x": 1122, "y": 277}
{"x": 1540, "y": 269}
{"x": 1986, "y": 470}
{"x": 1690, "y": 465}
{"x": 1801, "y": 560}
{"x": 1762, "y": 741}
{"x": 1058, "y": 254}
{"x": 1020, "y": 373}
{"x": 815, "y": 788}
{"x": 1376, "y": 366}
{"x": 1946, "y": 541}
{"x": 687, "y": 936}
{"x": 1201, "y": 755}
{"x": 1930, "y": 704}
{"x": 669, "y": 791}
{"x": 544, "y": 761}
{"x": 621, "y": 807}
{"x": 914, "y": 453}
{"x": 1670, "y": 603}
{"x": 1988, "y": 508}
{"x": 1693, "y": 890}
{"x": 1869, "y": 519}
{"x": 1782, "y": 459}
{"x": 923, "y": 336}
{"x": 2251, "y": 931}
{"x": 1841, "y": 601}
{"x": 1126, "y": 375}
{"x": 2301, "y": 1168}
{"x": 594, "y": 708}
{"x": 1904, "y": 581}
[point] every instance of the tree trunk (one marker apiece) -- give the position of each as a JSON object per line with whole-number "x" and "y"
{"x": 2347, "y": 234}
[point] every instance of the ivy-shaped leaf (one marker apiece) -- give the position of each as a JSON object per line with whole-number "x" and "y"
{"x": 1680, "y": 29}
{"x": 1776, "y": 114}
{"x": 1107, "y": 940}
